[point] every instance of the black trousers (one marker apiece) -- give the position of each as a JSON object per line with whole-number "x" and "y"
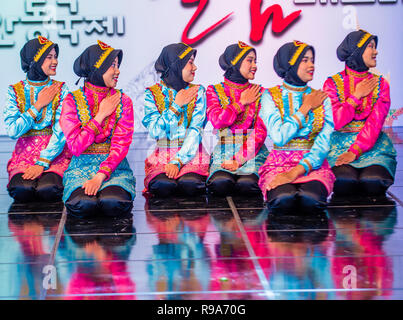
{"x": 190, "y": 184}
{"x": 223, "y": 183}
{"x": 112, "y": 201}
{"x": 309, "y": 197}
{"x": 373, "y": 180}
{"x": 48, "y": 188}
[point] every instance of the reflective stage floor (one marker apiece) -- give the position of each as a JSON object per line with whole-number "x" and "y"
{"x": 202, "y": 248}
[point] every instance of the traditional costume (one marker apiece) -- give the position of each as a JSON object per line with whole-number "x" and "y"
{"x": 358, "y": 124}
{"x": 241, "y": 133}
{"x": 178, "y": 130}
{"x": 97, "y": 147}
{"x": 298, "y": 140}
{"x": 40, "y": 138}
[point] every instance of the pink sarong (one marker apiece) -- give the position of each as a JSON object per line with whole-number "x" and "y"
{"x": 280, "y": 161}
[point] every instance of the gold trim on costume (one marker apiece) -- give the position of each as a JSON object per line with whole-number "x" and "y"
{"x": 222, "y": 97}
{"x": 294, "y": 88}
{"x": 357, "y": 148}
{"x": 296, "y": 144}
{"x": 165, "y": 143}
{"x": 309, "y": 165}
{"x": 245, "y": 48}
{"x": 98, "y": 148}
{"x": 44, "y": 160}
{"x": 356, "y": 74}
{"x": 38, "y": 84}
{"x": 300, "y": 47}
{"x": 235, "y": 85}
{"x": 353, "y": 126}
{"x": 106, "y": 169}
{"x": 44, "y": 132}
{"x": 32, "y": 114}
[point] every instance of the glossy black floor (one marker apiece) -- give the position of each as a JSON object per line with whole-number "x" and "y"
{"x": 202, "y": 249}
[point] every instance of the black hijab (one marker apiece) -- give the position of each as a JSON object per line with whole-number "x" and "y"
{"x": 171, "y": 62}
{"x": 230, "y": 61}
{"x": 352, "y": 48}
{"x": 33, "y": 54}
{"x": 95, "y": 61}
{"x": 287, "y": 60}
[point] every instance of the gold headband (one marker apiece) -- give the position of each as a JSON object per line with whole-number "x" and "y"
{"x": 364, "y": 38}
{"x": 245, "y": 48}
{"x": 301, "y": 46}
{"x": 107, "y": 51}
{"x": 185, "y": 53}
{"x": 45, "y": 45}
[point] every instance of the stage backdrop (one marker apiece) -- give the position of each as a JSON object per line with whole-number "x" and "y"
{"x": 142, "y": 27}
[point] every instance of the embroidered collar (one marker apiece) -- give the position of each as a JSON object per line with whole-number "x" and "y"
{"x": 356, "y": 74}
{"x": 236, "y": 85}
{"x": 97, "y": 89}
{"x": 294, "y": 88}
{"x": 38, "y": 84}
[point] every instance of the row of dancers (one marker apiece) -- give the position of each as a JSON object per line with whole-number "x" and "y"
{"x": 73, "y": 145}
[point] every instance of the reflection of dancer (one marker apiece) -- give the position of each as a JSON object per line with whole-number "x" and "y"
{"x": 180, "y": 260}
{"x": 97, "y": 120}
{"x": 233, "y": 108}
{"x": 32, "y": 116}
{"x": 295, "y": 259}
{"x": 362, "y": 238}
{"x": 30, "y": 250}
{"x": 296, "y": 175}
{"x": 107, "y": 272}
{"x": 362, "y": 156}
{"x": 175, "y": 114}
{"x": 230, "y": 267}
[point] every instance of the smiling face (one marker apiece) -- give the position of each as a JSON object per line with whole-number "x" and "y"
{"x": 306, "y": 68}
{"x": 369, "y": 55}
{"x": 248, "y": 66}
{"x": 50, "y": 63}
{"x": 111, "y": 76}
{"x": 189, "y": 71}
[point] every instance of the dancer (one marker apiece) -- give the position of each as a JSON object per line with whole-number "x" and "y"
{"x": 233, "y": 108}
{"x": 362, "y": 156}
{"x": 175, "y": 115}
{"x": 97, "y": 120}
{"x": 32, "y": 114}
{"x": 296, "y": 176}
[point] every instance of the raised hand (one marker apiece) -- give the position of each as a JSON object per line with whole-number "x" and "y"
{"x": 315, "y": 99}
{"x": 46, "y": 96}
{"x": 184, "y": 97}
{"x": 365, "y": 87}
{"x": 250, "y": 95}
{"x": 107, "y": 107}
